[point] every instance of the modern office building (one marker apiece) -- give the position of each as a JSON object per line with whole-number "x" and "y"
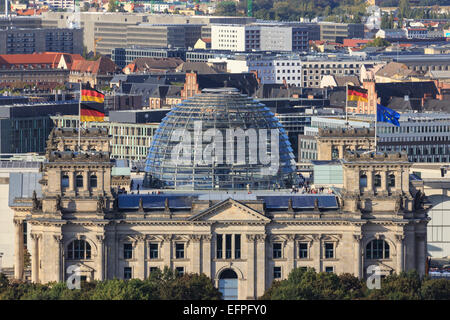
{"x": 337, "y": 32}
{"x": 124, "y": 56}
{"x": 15, "y": 40}
{"x": 109, "y": 30}
{"x": 259, "y": 37}
{"x": 131, "y": 131}
{"x": 423, "y": 136}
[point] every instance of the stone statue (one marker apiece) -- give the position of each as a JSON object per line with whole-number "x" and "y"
{"x": 316, "y": 204}
{"x": 290, "y": 206}
{"x": 36, "y": 202}
{"x": 141, "y": 205}
{"x": 58, "y": 206}
{"x": 398, "y": 204}
{"x": 100, "y": 204}
{"x": 116, "y": 203}
{"x": 418, "y": 200}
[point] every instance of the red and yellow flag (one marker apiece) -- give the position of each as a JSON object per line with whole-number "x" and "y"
{"x": 89, "y": 113}
{"x": 91, "y": 95}
{"x": 357, "y": 94}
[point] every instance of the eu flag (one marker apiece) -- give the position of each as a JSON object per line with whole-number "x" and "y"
{"x": 385, "y": 114}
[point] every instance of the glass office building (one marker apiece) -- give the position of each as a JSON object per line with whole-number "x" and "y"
{"x": 220, "y": 140}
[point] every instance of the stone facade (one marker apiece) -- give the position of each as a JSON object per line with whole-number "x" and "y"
{"x": 332, "y": 143}
{"x": 86, "y": 224}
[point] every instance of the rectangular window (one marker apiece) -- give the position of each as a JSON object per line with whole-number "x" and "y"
{"x": 219, "y": 249}
{"x": 127, "y": 251}
{"x": 179, "y": 271}
{"x": 237, "y": 246}
{"x": 329, "y": 250}
{"x": 277, "y": 272}
{"x": 153, "y": 269}
{"x": 153, "y": 251}
{"x": 179, "y": 250}
{"x": 303, "y": 250}
{"x": 228, "y": 246}
{"x": 277, "y": 250}
{"x": 329, "y": 269}
{"x": 127, "y": 273}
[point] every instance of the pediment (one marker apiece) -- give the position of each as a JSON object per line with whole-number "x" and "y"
{"x": 229, "y": 210}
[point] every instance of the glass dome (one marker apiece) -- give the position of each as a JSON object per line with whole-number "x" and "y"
{"x": 220, "y": 140}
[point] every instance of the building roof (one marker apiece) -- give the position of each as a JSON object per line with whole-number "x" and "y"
{"x": 50, "y": 59}
{"x": 153, "y": 64}
{"x": 103, "y": 65}
{"x": 198, "y": 67}
{"x": 395, "y": 70}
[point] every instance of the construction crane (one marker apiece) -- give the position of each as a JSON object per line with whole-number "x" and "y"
{"x": 95, "y": 45}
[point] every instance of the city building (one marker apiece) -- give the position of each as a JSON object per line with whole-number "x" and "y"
{"x": 337, "y": 32}
{"x": 424, "y": 137}
{"x": 242, "y": 240}
{"x": 125, "y": 56}
{"x": 25, "y": 41}
{"x": 105, "y": 31}
{"x": 131, "y": 131}
{"x": 259, "y": 37}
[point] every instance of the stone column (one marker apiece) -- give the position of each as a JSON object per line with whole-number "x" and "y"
{"x": 358, "y": 261}
{"x": 71, "y": 175}
{"x": 206, "y": 254}
{"x": 369, "y": 181}
{"x": 398, "y": 181}
{"x": 251, "y": 261}
{"x": 100, "y": 175}
{"x": 260, "y": 264}
{"x": 167, "y": 250}
{"x": 290, "y": 255}
{"x": 232, "y": 247}
{"x": 341, "y": 151}
{"x": 35, "y": 258}
{"x": 317, "y": 255}
{"x": 58, "y": 257}
{"x": 140, "y": 258}
{"x": 400, "y": 249}
{"x": 405, "y": 179}
{"x": 85, "y": 181}
{"x": 99, "y": 262}
{"x": 421, "y": 253}
{"x": 383, "y": 174}
{"x": 18, "y": 249}
{"x": 196, "y": 257}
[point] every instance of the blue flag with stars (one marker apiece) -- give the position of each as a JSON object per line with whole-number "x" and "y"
{"x": 385, "y": 114}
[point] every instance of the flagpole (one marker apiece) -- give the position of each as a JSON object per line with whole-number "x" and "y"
{"x": 346, "y": 104}
{"x": 376, "y": 120}
{"x": 79, "y": 120}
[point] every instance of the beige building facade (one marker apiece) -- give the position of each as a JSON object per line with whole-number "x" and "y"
{"x": 377, "y": 218}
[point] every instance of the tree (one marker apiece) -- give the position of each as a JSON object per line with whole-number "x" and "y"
{"x": 112, "y": 6}
{"x": 404, "y": 9}
{"x": 405, "y": 286}
{"x": 435, "y": 289}
{"x": 226, "y": 8}
{"x": 378, "y": 42}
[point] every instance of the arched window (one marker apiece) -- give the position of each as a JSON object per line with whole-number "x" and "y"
{"x": 377, "y": 181}
{"x": 93, "y": 181}
{"x": 363, "y": 181}
{"x": 377, "y": 249}
{"x": 79, "y": 249}
{"x": 79, "y": 181}
{"x": 65, "y": 181}
{"x": 391, "y": 180}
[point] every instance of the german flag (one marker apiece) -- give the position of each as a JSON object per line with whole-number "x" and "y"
{"x": 90, "y": 113}
{"x": 357, "y": 94}
{"x": 91, "y": 95}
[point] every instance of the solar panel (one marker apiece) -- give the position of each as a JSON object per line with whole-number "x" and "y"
{"x": 131, "y": 201}
{"x": 300, "y": 201}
